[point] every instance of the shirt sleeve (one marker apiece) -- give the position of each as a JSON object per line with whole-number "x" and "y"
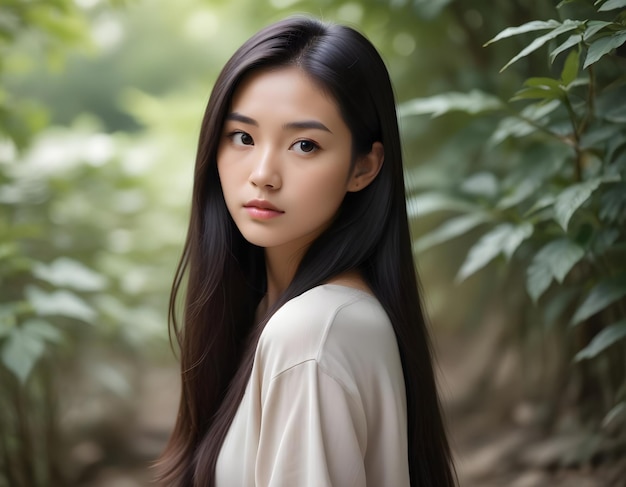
{"x": 313, "y": 432}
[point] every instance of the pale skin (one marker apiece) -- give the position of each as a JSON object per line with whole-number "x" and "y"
{"x": 284, "y": 162}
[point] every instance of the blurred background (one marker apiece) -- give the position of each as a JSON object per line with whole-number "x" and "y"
{"x": 516, "y": 195}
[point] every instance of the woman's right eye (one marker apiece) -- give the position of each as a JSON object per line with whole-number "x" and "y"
{"x": 241, "y": 138}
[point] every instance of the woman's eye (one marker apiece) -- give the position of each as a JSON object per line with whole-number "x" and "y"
{"x": 305, "y": 146}
{"x": 241, "y": 138}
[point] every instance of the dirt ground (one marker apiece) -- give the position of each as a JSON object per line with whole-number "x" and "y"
{"x": 494, "y": 439}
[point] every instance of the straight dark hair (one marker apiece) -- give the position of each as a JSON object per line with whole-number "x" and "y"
{"x": 225, "y": 274}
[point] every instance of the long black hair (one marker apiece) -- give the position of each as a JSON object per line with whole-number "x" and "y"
{"x": 225, "y": 275}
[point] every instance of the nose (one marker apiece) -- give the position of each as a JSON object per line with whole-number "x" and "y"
{"x": 265, "y": 173}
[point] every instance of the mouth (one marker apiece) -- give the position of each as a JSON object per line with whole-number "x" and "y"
{"x": 262, "y": 210}
{"x": 262, "y": 205}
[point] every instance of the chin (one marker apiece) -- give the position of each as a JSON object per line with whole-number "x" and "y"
{"x": 259, "y": 240}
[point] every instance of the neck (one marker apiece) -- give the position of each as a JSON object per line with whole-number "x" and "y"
{"x": 280, "y": 272}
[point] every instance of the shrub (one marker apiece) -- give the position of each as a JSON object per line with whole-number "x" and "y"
{"x": 546, "y": 192}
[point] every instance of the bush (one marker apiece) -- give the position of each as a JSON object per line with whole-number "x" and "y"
{"x": 546, "y": 193}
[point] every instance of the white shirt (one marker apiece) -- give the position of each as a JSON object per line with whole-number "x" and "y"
{"x": 325, "y": 404}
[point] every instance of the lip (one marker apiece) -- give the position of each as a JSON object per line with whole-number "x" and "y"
{"x": 262, "y": 209}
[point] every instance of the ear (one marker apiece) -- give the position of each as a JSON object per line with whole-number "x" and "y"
{"x": 366, "y": 168}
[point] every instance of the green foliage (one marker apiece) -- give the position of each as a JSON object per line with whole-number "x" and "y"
{"x": 81, "y": 279}
{"x": 52, "y": 26}
{"x": 555, "y": 29}
{"x": 32, "y": 320}
{"x": 92, "y": 218}
{"x": 610, "y": 335}
{"x": 548, "y": 194}
{"x": 89, "y": 236}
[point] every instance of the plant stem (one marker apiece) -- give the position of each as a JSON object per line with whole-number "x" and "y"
{"x": 576, "y": 129}
{"x": 591, "y": 100}
{"x": 7, "y": 424}
{"x": 25, "y": 456}
{"x": 538, "y": 126}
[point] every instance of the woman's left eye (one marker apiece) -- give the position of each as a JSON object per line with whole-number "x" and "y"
{"x": 305, "y": 146}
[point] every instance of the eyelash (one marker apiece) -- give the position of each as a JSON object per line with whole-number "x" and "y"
{"x": 235, "y": 133}
{"x": 241, "y": 133}
{"x": 315, "y": 148}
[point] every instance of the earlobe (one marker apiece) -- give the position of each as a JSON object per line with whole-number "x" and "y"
{"x": 367, "y": 168}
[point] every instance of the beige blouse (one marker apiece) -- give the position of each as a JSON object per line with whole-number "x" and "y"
{"x": 325, "y": 404}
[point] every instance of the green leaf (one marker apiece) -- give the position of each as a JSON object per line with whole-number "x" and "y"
{"x": 71, "y": 273}
{"x": 473, "y": 103}
{"x": 615, "y": 415}
{"x": 521, "y": 29}
{"x": 25, "y": 345}
{"x": 538, "y": 280}
{"x": 431, "y": 202}
{"x": 42, "y": 329}
{"x": 450, "y": 229}
{"x": 554, "y": 260}
{"x": 543, "y": 82}
{"x": 564, "y": 254}
{"x": 543, "y": 93}
{"x": 503, "y": 239}
{"x": 21, "y": 352}
{"x": 572, "y": 198}
{"x": 617, "y": 113}
{"x": 559, "y": 256}
{"x": 613, "y": 204}
{"x": 557, "y": 305}
{"x": 516, "y": 237}
{"x": 481, "y": 184}
{"x": 567, "y": 26}
{"x": 537, "y": 111}
{"x": 570, "y": 68}
{"x": 596, "y": 137}
{"x": 8, "y": 319}
{"x": 603, "y": 240}
{"x": 593, "y": 27}
{"x": 543, "y": 202}
{"x": 612, "y": 5}
{"x": 510, "y": 127}
{"x": 518, "y": 194}
{"x": 518, "y": 126}
{"x": 603, "y": 46}
{"x": 570, "y": 42}
{"x": 603, "y": 340}
{"x": 602, "y": 295}
{"x": 62, "y": 303}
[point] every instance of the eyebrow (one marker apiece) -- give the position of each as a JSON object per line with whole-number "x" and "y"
{"x": 304, "y": 124}
{"x": 238, "y": 117}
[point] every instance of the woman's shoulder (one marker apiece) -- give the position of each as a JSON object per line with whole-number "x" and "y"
{"x": 328, "y": 324}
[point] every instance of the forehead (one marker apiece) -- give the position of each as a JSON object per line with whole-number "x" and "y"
{"x": 284, "y": 91}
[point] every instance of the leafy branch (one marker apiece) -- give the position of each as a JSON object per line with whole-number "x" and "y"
{"x": 567, "y": 209}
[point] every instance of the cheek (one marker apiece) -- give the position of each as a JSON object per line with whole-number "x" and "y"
{"x": 227, "y": 175}
{"x": 324, "y": 191}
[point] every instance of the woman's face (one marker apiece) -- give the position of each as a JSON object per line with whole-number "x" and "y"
{"x": 284, "y": 160}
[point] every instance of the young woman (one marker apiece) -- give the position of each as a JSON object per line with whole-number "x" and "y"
{"x": 305, "y": 356}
